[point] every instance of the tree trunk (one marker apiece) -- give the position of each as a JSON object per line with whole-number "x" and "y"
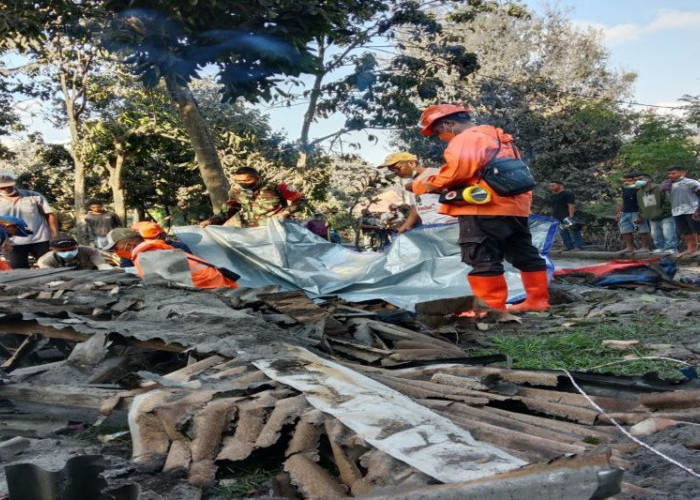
{"x": 204, "y": 148}
{"x": 116, "y": 171}
{"x": 82, "y": 232}
{"x": 311, "y": 109}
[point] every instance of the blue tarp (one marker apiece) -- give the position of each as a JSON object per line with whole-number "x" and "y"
{"x": 422, "y": 264}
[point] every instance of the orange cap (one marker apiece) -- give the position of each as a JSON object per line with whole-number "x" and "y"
{"x": 435, "y": 112}
{"x": 148, "y": 229}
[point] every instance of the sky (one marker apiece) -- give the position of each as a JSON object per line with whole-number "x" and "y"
{"x": 658, "y": 40}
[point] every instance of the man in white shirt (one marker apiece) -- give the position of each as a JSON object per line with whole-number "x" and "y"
{"x": 33, "y": 208}
{"x": 424, "y": 208}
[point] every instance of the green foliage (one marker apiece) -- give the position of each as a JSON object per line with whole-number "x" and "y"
{"x": 250, "y": 42}
{"x": 246, "y": 480}
{"x": 658, "y": 142}
{"x": 371, "y": 89}
{"x": 542, "y": 80}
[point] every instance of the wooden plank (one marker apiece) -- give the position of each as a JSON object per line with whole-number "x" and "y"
{"x": 184, "y": 374}
{"x": 32, "y": 327}
{"x": 671, "y": 400}
{"x": 534, "y": 447}
{"x": 304, "y": 310}
{"x": 60, "y": 395}
{"x": 20, "y": 352}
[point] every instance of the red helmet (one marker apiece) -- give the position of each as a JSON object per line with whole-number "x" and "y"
{"x": 435, "y": 112}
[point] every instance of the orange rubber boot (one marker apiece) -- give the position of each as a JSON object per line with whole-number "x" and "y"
{"x": 491, "y": 289}
{"x": 537, "y": 292}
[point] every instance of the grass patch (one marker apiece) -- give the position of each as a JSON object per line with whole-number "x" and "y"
{"x": 248, "y": 480}
{"x": 581, "y": 347}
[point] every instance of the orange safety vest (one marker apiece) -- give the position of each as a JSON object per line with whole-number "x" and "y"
{"x": 204, "y": 274}
{"x": 465, "y": 157}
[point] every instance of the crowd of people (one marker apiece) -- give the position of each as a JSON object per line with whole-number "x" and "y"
{"x": 660, "y": 215}
{"x": 483, "y": 186}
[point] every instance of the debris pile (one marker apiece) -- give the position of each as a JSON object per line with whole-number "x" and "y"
{"x": 336, "y": 399}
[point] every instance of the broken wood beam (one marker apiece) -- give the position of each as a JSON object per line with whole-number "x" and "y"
{"x": 60, "y": 395}
{"x": 297, "y": 305}
{"x": 671, "y": 400}
{"x": 21, "y": 328}
{"x": 488, "y": 417}
{"x": 394, "y": 333}
{"x": 24, "y": 349}
{"x": 534, "y": 448}
{"x": 184, "y": 374}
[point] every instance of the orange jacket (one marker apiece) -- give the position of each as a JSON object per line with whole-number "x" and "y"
{"x": 465, "y": 156}
{"x": 203, "y": 276}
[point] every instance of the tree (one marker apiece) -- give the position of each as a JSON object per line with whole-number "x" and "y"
{"x": 128, "y": 127}
{"x": 56, "y": 38}
{"x": 353, "y": 183}
{"x": 380, "y": 90}
{"x": 658, "y": 142}
{"x": 8, "y": 119}
{"x": 249, "y": 43}
{"x": 544, "y": 81}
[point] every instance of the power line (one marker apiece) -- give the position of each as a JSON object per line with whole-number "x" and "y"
{"x": 574, "y": 94}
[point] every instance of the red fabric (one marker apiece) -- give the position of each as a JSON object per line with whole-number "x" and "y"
{"x": 203, "y": 276}
{"x": 289, "y": 193}
{"x": 606, "y": 268}
{"x": 5, "y": 266}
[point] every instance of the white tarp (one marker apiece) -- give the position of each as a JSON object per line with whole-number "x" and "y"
{"x": 422, "y": 264}
{"x": 390, "y": 421}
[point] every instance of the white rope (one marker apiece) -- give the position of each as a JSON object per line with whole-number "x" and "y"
{"x": 626, "y": 433}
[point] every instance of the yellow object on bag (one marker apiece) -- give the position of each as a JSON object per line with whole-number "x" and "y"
{"x": 471, "y": 195}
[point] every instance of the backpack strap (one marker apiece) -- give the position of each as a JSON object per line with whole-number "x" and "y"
{"x": 483, "y": 169}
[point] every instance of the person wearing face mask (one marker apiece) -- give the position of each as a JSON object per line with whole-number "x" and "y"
{"x": 425, "y": 208}
{"x": 65, "y": 252}
{"x": 253, "y": 200}
{"x": 655, "y": 208}
{"x": 32, "y": 208}
{"x": 129, "y": 244}
{"x": 629, "y": 220}
{"x": 491, "y": 228}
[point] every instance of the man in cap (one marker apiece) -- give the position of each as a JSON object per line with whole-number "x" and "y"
{"x": 32, "y": 208}
{"x": 424, "y": 208}
{"x": 492, "y": 231}
{"x": 65, "y": 252}
{"x": 153, "y": 231}
{"x": 253, "y": 200}
{"x": 129, "y": 244}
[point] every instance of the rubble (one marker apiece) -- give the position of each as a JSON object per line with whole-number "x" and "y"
{"x": 339, "y": 399}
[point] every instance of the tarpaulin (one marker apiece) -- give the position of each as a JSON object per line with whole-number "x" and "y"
{"x": 617, "y": 272}
{"x": 422, "y": 264}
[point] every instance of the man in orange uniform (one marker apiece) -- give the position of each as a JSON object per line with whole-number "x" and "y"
{"x": 490, "y": 232}
{"x": 129, "y": 244}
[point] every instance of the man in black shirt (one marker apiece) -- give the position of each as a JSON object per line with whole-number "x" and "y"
{"x": 628, "y": 216}
{"x": 563, "y": 206}
{"x": 100, "y": 222}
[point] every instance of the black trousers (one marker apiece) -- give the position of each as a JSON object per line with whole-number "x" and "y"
{"x": 18, "y": 256}
{"x": 486, "y": 240}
